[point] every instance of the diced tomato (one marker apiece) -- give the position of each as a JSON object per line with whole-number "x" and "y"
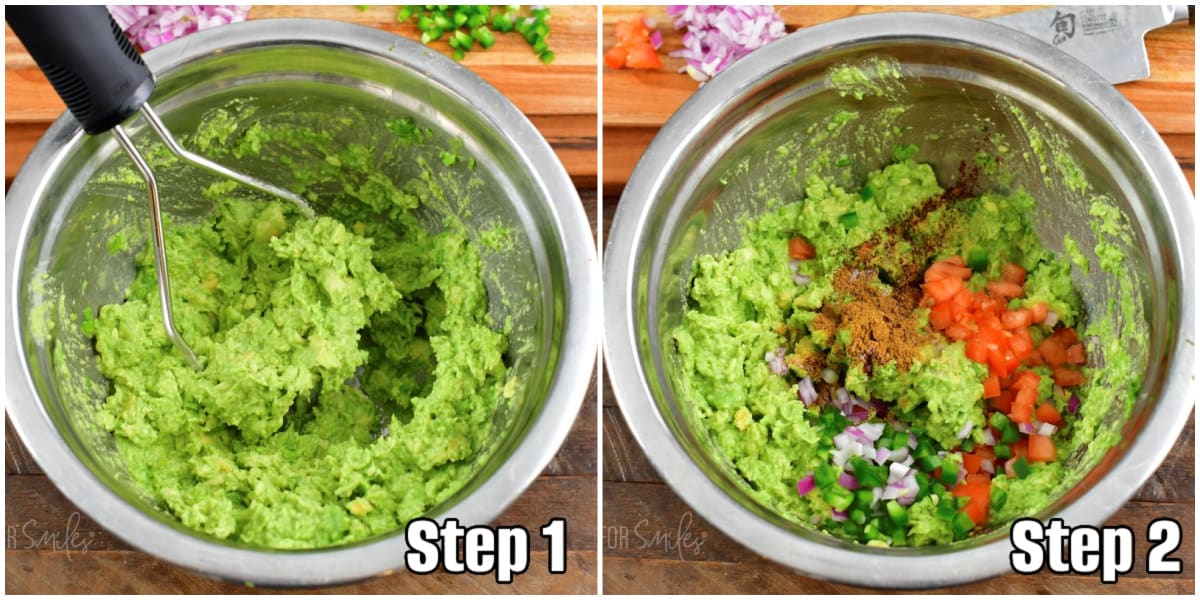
{"x": 985, "y": 453}
{"x": 1034, "y": 359}
{"x": 615, "y": 57}
{"x": 961, "y": 303}
{"x": 992, "y": 338}
{"x": 943, "y": 270}
{"x": 800, "y": 249}
{"x": 633, "y": 48}
{"x": 978, "y": 478}
{"x": 976, "y": 351}
{"x": 1020, "y": 448}
{"x": 1041, "y": 449}
{"x": 971, "y": 463}
{"x": 1021, "y": 342}
{"x": 1053, "y": 352}
{"x": 1003, "y": 403}
{"x": 1066, "y": 377}
{"x": 979, "y": 495}
{"x": 991, "y": 386}
{"x": 1039, "y": 310}
{"x": 958, "y": 332}
{"x": 1012, "y": 273}
{"x": 1002, "y": 361}
{"x": 643, "y": 56}
{"x": 1027, "y": 379}
{"x": 955, "y": 260}
{"x": 1066, "y": 335}
{"x": 1015, "y": 319}
{"x": 940, "y": 317}
{"x": 1004, "y": 289}
{"x": 1076, "y": 355}
{"x": 943, "y": 289}
{"x": 1022, "y": 406}
{"x": 1046, "y": 413}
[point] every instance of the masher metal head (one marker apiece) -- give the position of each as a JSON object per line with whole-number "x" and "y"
{"x": 103, "y": 81}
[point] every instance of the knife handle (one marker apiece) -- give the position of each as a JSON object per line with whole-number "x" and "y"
{"x": 1185, "y": 11}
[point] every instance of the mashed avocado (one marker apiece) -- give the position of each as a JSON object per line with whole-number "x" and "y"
{"x": 814, "y": 367}
{"x": 351, "y": 371}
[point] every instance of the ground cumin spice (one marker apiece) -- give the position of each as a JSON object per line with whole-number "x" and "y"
{"x": 882, "y": 325}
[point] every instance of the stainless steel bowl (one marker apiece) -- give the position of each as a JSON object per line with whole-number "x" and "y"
{"x": 56, "y": 226}
{"x": 714, "y": 161}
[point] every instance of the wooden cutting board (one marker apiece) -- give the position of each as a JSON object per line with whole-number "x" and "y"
{"x": 560, "y": 98}
{"x": 637, "y": 103}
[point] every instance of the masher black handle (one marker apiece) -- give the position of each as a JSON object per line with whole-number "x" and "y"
{"x": 92, "y": 65}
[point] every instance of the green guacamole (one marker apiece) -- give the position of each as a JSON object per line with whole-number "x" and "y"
{"x": 351, "y": 370}
{"x": 783, "y": 384}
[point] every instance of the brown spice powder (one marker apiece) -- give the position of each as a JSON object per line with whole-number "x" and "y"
{"x": 882, "y": 326}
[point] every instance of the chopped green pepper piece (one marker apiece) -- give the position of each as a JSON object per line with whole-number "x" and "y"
{"x": 977, "y": 259}
{"x": 867, "y": 192}
{"x": 949, "y": 476}
{"x": 1021, "y": 468}
{"x": 1003, "y": 451}
{"x": 929, "y": 462}
{"x": 962, "y": 525}
{"x": 898, "y": 514}
{"x": 1010, "y": 434}
{"x": 998, "y": 420}
{"x": 849, "y": 220}
{"x": 998, "y": 498}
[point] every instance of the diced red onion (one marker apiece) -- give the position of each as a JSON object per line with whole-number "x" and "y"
{"x": 897, "y": 472}
{"x": 806, "y": 484}
{"x": 899, "y": 454}
{"x": 1051, "y": 319}
{"x": 150, "y": 26}
{"x": 1008, "y": 469}
{"x": 987, "y": 466}
{"x": 881, "y": 409}
{"x": 775, "y": 360}
{"x": 801, "y": 279}
{"x": 1073, "y": 404}
{"x": 1047, "y": 429}
{"x": 871, "y": 431}
{"x": 718, "y": 35}
{"x": 892, "y": 491}
{"x": 839, "y": 515}
{"x": 848, "y": 481}
{"x": 962, "y": 475}
{"x": 806, "y": 391}
{"x": 966, "y": 430}
{"x": 1026, "y": 428}
{"x": 656, "y": 37}
{"x": 912, "y": 441}
{"x": 989, "y": 436}
{"x": 881, "y": 455}
{"x": 793, "y": 265}
{"x": 829, "y": 376}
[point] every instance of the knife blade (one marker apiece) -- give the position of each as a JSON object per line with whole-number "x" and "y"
{"x": 1109, "y": 39}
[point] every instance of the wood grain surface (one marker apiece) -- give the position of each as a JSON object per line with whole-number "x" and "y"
{"x": 53, "y": 547}
{"x": 653, "y": 542}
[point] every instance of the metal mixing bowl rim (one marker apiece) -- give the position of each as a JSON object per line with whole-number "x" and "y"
{"x": 577, "y": 355}
{"x": 867, "y": 566}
